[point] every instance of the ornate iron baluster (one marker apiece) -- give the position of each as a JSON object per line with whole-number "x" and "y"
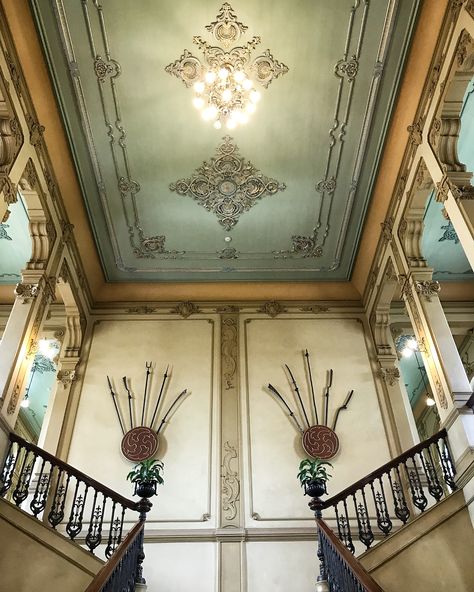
{"x": 366, "y": 535}
{"x": 349, "y": 544}
{"x": 40, "y": 496}
{"x": 399, "y": 502}
{"x": 94, "y": 534}
{"x": 8, "y": 470}
{"x": 434, "y": 486}
{"x": 383, "y": 519}
{"x": 343, "y": 528}
{"x": 20, "y": 492}
{"x": 447, "y": 464}
{"x": 74, "y": 525}
{"x": 56, "y": 514}
{"x": 417, "y": 494}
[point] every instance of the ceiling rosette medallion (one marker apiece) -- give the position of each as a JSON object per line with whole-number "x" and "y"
{"x": 227, "y": 185}
{"x": 224, "y": 80}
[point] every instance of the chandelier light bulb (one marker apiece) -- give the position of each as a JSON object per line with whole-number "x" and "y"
{"x": 227, "y": 95}
{"x": 223, "y": 73}
{"x": 25, "y": 403}
{"x": 255, "y": 96}
{"x": 199, "y": 87}
{"x": 247, "y": 84}
{"x": 239, "y": 76}
{"x": 430, "y": 402}
{"x": 210, "y": 77}
{"x": 231, "y": 124}
{"x": 198, "y": 102}
{"x": 407, "y": 352}
{"x": 412, "y": 344}
{"x": 217, "y": 124}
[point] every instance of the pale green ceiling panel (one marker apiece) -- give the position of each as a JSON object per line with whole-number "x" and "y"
{"x": 325, "y": 118}
{"x": 15, "y": 244}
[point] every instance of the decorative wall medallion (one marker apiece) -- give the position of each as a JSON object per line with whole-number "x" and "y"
{"x": 230, "y": 482}
{"x": 227, "y": 185}
{"x": 227, "y": 253}
{"x": 186, "y": 309}
{"x": 318, "y": 439}
{"x": 347, "y": 68}
{"x": 106, "y": 68}
{"x": 272, "y": 308}
{"x": 306, "y": 246}
{"x": 224, "y": 80}
{"x": 139, "y": 444}
{"x": 141, "y": 441}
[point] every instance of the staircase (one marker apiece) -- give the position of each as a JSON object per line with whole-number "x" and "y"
{"x": 398, "y": 520}
{"x": 386, "y": 532}
{"x": 66, "y": 527}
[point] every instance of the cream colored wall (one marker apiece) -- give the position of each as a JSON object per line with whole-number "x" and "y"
{"x": 272, "y": 541}
{"x": 38, "y": 558}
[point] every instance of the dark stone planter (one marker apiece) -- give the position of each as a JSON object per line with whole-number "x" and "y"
{"x": 315, "y": 488}
{"x": 146, "y": 489}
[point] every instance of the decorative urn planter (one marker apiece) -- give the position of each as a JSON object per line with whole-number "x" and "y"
{"x": 145, "y": 489}
{"x": 315, "y": 488}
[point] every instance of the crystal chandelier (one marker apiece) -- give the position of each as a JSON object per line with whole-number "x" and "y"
{"x": 224, "y": 82}
{"x": 226, "y": 96}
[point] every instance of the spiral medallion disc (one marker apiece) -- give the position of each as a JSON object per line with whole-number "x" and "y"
{"x": 139, "y": 444}
{"x": 319, "y": 441}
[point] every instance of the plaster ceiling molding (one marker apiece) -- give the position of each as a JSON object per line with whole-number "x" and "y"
{"x": 272, "y": 308}
{"x": 186, "y": 309}
{"x": 227, "y": 186}
{"x": 136, "y": 135}
{"x": 224, "y": 79}
{"x": 315, "y": 308}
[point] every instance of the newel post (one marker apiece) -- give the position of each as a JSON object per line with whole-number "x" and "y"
{"x": 316, "y": 504}
{"x": 143, "y": 507}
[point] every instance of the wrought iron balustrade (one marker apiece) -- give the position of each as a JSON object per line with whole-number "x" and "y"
{"x": 124, "y": 568}
{"x": 391, "y": 495}
{"x": 64, "y": 497}
{"x": 341, "y": 570}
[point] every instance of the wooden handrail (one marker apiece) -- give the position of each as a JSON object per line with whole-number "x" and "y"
{"x": 104, "y": 574}
{"x": 113, "y": 495}
{"x": 382, "y": 470}
{"x": 351, "y": 562}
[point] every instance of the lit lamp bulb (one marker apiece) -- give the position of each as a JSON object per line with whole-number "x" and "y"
{"x": 209, "y": 113}
{"x": 223, "y": 73}
{"x": 199, "y": 87}
{"x": 198, "y": 102}
{"x": 430, "y": 402}
{"x": 231, "y": 124}
{"x": 227, "y": 95}
{"x": 247, "y": 84}
{"x": 46, "y": 349}
{"x": 239, "y": 76}
{"x": 217, "y": 124}
{"x": 255, "y": 96}
{"x": 210, "y": 77}
{"x": 407, "y": 352}
{"x": 25, "y": 403}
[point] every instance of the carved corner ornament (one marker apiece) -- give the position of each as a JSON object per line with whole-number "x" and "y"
{"x": 66, "y": 377}
{"x": 387, "y": 229}
{"x": 9, "y": 189}
{"x": 415, "y": 131}
{"x": 13, "y": 400}
{"x": 230, "y": 482}
{"x": 27, "y": 292}
{"x": 389, "y": 375}
{"x": 185, "y": 309}
{"x": 459, "y": 192}
{"x": 427, "y": 288}
{"x": 272, "y": 308}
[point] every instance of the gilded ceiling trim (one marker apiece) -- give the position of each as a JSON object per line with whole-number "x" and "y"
{"x": 227, "y": 186}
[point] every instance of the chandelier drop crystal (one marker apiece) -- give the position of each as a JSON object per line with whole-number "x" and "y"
{"x": 224, "y": 81}
{"x": 226, "y": 96}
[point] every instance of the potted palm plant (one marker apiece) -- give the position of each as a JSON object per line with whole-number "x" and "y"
{"x": 313, "y": 476}
{"x": 146, "y": 475}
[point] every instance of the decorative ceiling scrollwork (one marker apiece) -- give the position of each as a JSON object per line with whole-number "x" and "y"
{"x": 138, "y": 163}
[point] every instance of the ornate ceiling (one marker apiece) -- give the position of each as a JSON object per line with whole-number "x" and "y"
{"x": 282, "y": 197}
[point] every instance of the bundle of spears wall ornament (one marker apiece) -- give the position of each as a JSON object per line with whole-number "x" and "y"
{"x": 141, "y": 441}
{"x": 318, "y": 439}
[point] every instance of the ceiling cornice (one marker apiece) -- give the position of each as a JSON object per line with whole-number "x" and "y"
{"x": 31, "y": 58}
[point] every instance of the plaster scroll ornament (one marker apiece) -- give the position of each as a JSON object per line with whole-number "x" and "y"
{"x": 227, "y": 185}
{"x": 224, "y": 78}
{"x": 141, "y": 440}
{"x": 318, "y": 439}
{"x": 272, "y": 308}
